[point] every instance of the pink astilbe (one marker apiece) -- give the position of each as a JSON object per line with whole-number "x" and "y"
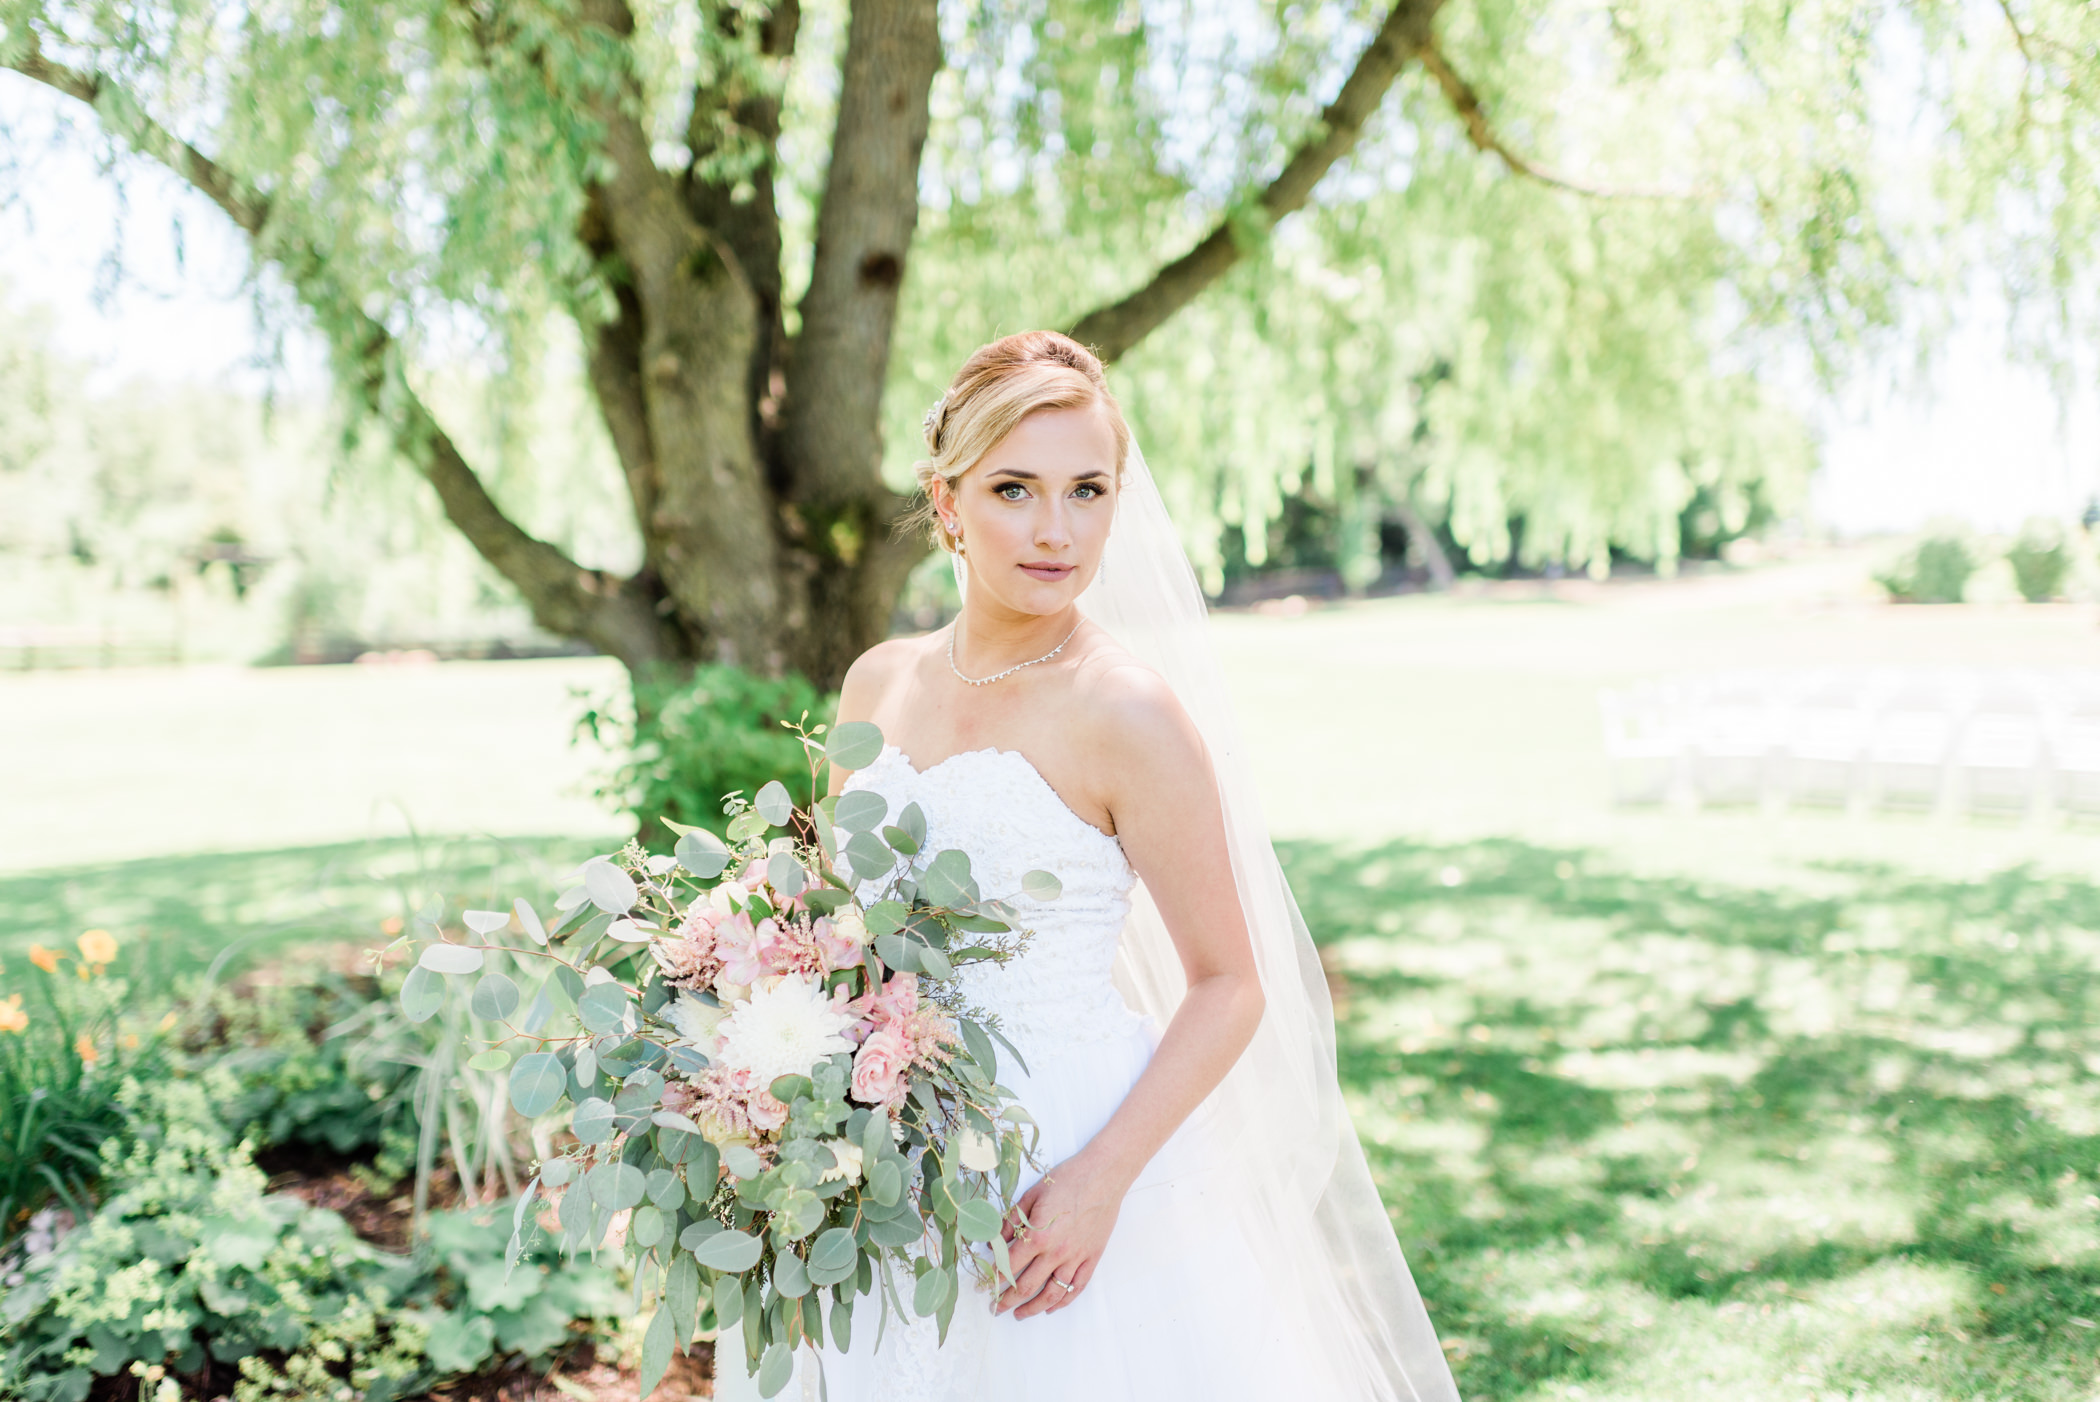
{"x": 689, "y": 956}
{"x": 731, "y": 1107}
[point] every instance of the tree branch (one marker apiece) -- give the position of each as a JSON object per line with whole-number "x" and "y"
{"x": 1466, "y": 103}
{"x": 1114, "y": 329}
{"x": 564, "y": 597}
{"x": 831, "y": 417}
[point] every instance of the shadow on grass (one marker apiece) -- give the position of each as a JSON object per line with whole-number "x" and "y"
{"x": 176, "y": 916}
{"x": 1613, "y": 1111}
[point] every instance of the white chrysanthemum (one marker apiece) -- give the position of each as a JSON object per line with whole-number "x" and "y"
{"x": 696, "y": 1021}
{"x": 847, "y": 1161}
{"x": 784, "y": 1030}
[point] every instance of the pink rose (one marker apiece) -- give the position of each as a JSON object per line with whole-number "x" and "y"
{"x": 898, "y": 1000}
{"x": 879, "y": 1065}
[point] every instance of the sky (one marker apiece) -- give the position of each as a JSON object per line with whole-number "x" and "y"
{"x": 1980, "y": 439}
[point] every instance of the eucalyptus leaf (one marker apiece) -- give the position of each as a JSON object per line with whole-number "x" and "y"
{"x": 932, "y": 962}
{"x": 834, "y": 1250}
{"x": 682, "y": 1297}
{"x": 495, "y": 997}
{"x": 853, "y": 745}
{"x": 901, "y": 841}
{"x": 946, "y": 881}
{"x": 442, "y": 958}
{"x": 842, "y": 1323}
{"x": 980, "y": 1047}
{"x": 785, "y": 875}
{"x": 611, "y": 889}
{"x": 557, "y": 1172}
{"x": 775, "y": 1368}
{"x": 773, "y": 804}
{"x": 1042, "y": 886}
{"x": 729, "y": 1301}
{"x": 745, "y": 826}
{"x": 886, "y": 917}
{"x": 616, "y": 1186}
{"x": 422, "y": 994}
{"x": 977, "y": 1219}
{"x": 729, "y": 1251}
{"x": 593, "y": 1121}
{"x": 790, "y": 1276}
{"x": 529, "y": 921}
{"x": 656, "y": 1352}
{"x": 869, "y": 856}
{"x": 702, "y": 853}
{"x": 741, "y": 1161}
{"x": 494, "y": 1059}
{"x": 859, "y": 810}
{"x": 647, "y": 1226}
{"x": 886, "y": 1182}
{"x": 536, "y": 1084}
{"x": 665, "y": 1190}
{"x": 603, "y": 1007}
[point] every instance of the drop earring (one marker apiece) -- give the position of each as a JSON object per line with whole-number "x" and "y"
{"x": 955, "y": 562}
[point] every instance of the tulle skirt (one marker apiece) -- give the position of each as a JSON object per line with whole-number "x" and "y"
{"x": 1179, "y": 1306}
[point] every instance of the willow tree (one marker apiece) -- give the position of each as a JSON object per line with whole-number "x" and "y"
{"x": 1544, "y": 232}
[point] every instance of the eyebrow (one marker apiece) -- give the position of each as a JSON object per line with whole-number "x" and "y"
{"x": 1025, "y": 475}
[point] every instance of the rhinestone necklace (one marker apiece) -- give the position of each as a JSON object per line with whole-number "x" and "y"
{"x": 987, "y": 681}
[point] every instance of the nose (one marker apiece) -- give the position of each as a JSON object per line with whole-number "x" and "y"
{"x": 1053, "y": 531}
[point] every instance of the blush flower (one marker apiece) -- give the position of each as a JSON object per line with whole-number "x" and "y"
{"x": 879, "y": 1066}
{"x": 785, "y": 1029}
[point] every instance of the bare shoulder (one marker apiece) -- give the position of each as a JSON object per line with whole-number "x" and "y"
{"x": 1134, "y": 717}
{"x": 874, "y": 672}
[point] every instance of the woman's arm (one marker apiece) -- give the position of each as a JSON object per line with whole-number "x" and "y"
{"x": 1163, "y": 795}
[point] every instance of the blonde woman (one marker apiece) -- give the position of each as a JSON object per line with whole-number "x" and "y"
{"x": 1204, "y": 1226}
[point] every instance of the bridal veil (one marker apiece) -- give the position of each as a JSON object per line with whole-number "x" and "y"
{"x": 1302, "y": 1191}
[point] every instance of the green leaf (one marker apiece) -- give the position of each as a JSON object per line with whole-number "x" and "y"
{"x": 898, "y": 953}
{"x": 886, "y": 917}
{"x": 732, "y": 1251}
{"x": 656, "y": 1351}
{"x": 702, "y": 853}
{"x": 494, "y": 1059}
{"x": 1042, "y": 886}
{"x": 785, "y": 875}
{"x": 741, "y": 1161}
{"x": 853, "y": 745}
{"x": 900, "y": 841}
{"x": 536, "y": 1084}
{"x": 790, "y": 1088}
{"x": 495, "y": 997}
{"x": 689, "y": 1240}
{"x": 682, "y": 1297}
{"x": 976, "y": 1219}
{"x": 529, "y": 920}
{"x": 869, "y": 856}
{"x": 729, "y": 1302}
{"x": 773, "y": 804}
{"x": 444, "y": 958}
{"x": 603, "y": 1007}
{"x": 616, "y": 1186}
{"x": 593, "y": 1121}
{"x": 928, "y": 1295}
{"x": 859, "y": 810}
{"x": 745, "y": 826}
{"x": 932, "y": 962}
{"x": 790, "y": 1276}
{"x": 824, "y": 901}
{"x": 842, "y": 1323}
{"x": 902, "y": 1230}
{"x": 647, "y": 1228}
{"x": 947, "y": 881}
{"x": 422, "y": 994}
{"x": 555, "y": 1172}
{"x": 774, "y": 1369}
{"x": 610, "y": 889}
{"x": 981, "y": 1050}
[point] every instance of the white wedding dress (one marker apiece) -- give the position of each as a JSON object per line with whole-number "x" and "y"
{"x": 1179, "y": 1306}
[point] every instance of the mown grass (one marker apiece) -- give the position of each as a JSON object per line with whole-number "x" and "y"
{"x": 1666, "y": 1138}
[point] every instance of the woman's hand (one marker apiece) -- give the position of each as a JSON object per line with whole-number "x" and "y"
{"x": 1056, "y": 1233}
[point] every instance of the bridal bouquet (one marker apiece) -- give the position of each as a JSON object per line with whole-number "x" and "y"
{"x": 773, "y": 1087}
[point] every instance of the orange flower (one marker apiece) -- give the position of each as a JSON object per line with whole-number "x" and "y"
{"x": 98, "y": 947}
{"x": 12, "y": 1018}
{"x": 85, "y": 1046}
{"x": 391, "y": 925}
{"x": 45, "y": 959}
{"x": 129, "y": 1041}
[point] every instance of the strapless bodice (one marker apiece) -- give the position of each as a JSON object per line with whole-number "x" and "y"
{"x": 993, "y": 805}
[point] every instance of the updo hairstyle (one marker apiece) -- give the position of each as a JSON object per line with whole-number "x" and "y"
{"x": 998, "y": 386}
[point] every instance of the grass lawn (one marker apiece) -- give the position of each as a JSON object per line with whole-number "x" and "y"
{"x": 1708, "y": 1107}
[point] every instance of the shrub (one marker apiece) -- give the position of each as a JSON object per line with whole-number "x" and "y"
{"x": 693, "y": 742}
{"x": 1937, "y": 572}
{"x": 194, "y": 1279}
{"x": 2040, "y": 559}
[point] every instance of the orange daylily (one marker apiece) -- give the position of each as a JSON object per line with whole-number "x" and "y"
{"x": 98, "y": 947}
{"x": 85, "y": 1046}
{"x": 12, "y": 1018}
{"x": 45, "y": 959}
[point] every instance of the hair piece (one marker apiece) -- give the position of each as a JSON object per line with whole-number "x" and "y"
{"x": 998, "y": 386}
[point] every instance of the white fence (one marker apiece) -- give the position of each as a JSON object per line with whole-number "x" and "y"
{"x": 2011, "y": 743}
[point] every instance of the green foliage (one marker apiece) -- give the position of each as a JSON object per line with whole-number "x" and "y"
{"x": 1937, "y": 571}
{"x": 191, "y": 1267}
{"x": 2040, "y": 560}
{"x": 1642, "y": 1134}
{"x": 689, "y": 744}
{"x": 69, "y": 1038}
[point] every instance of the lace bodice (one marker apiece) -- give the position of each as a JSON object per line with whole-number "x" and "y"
{"x": 993, "y": 805}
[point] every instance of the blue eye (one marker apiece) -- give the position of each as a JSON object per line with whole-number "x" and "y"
{"x": 1011, "y": 490}
{"x": 1091, "y": 489}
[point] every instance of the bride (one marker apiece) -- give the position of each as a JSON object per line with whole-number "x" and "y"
{"x": 1205, "y": 1226}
